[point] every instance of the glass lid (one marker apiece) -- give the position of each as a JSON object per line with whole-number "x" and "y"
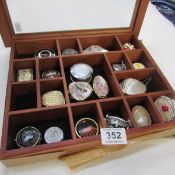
{"x": 33, "y": 16}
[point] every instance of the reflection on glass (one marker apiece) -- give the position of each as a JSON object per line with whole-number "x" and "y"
{"x": 59, "y": 15}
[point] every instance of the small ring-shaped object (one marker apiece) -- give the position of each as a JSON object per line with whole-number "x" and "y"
{"x": 44, "y": 53}
{"x": 83, "y": 129}
{"x": 28, "y": 136}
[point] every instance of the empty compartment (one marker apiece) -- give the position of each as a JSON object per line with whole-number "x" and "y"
{"x": 107, "y": 42}
{"x": 42, "y": 120}
{"x": 23, "y": 64}
{"x": 87, "y": 111}
{"x": 70, "y": 43}
{"x": 23, "y": 96}
{"x": 51, "y": 85}
{"x": 139, "y": 56}
{"x": 27, "y": 49}
{"x": 152, "y": 78}
{"x": 49, "y": 64}
{"x": 127, "y": 38}
{"x": 116, "y": 108}
{"x": 118, "y": 58}
{"x": 100, "y": 67}
{"x": 144, "y": 102}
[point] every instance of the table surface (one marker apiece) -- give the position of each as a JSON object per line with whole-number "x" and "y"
{"x": 158, "y": 35}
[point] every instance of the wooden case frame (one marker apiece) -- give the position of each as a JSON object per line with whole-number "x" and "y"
{"x": 20, "y": 113}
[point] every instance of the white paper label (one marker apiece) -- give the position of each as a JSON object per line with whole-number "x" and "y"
{"x": 113, "y": 136}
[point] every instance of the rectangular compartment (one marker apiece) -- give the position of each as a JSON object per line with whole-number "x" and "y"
{"x": 145, "y": 102}
{"x": 116, "y": 58}
{"x": 155, "y": 84}
{"x": 23, "y": 64}
{"x": 41, "y": 120}
{"x": 129, "y": 38}
{"x": 70, "y": 43}
{"x": 87, "y": 111}
{"x": 100, "y": 67}
{"x": 27, "y": 49}
{"x": 154, "y": 96}
{"x": 107, "y": 42}
{"x": 49, "y": 64}
{"x": 116, "y": 108}
{"x": 51, "y": 85}
{"x": 139, "y": 55}
{"x": 23, "y": 96}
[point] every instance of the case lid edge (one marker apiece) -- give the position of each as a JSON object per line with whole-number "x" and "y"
{"x": 8, "y": 34}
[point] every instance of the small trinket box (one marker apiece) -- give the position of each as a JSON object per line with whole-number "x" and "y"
{"x": 128, "y": 46}
{"x": 53, "y": 98}
{"x": 117, "y": 122}
{"x": 25, "y": 75}
{"x": 51, "y": 74}
{"x": 166, "y": 107}
{"x": 28, "y": 136}
{"x": 81, "y": 72}
{"x": 141, "y": 116}
{"x": 100, "y": 86}
{"x": 53, "y": 134}
{"x": 138, "y": 65}
{"x": 86, "y": 127}
{"x": 131, "y": 86}
{"x": 45, "y": 53}
{"x": 119, "y": 67}
{"x": 80, "y": 90}
{"x": 95, "y": 49}
{"x": 69, "y": 52}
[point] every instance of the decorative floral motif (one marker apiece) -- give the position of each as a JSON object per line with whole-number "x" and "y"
{"x": 50, "y": 74}
{"x": 80, "y": 90}
{"x": 25, "y": 75}
{"x": 100, "y": 87}
{"x": 128, "y": 46}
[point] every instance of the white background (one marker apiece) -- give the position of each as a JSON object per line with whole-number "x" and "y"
{"x": 158, "y": 35}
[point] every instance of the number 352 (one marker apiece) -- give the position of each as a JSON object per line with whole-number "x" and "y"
{"x": 113, "y": 135}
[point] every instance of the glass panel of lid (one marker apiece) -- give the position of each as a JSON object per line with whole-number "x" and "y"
{"x": 32, "y": 16}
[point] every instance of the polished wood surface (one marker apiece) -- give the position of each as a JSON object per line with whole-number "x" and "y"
{"x": 24, "y": 99}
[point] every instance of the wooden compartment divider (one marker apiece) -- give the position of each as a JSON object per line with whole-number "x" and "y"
{"x": 24, "y": 100}
{"x": 107, "y": 42}
{"x": 117, "y": 108}
{"x": 46, "y": 64}
{"x": 117, "y": 57}
{"x": 21, "y": 99}
{"x": 129, "y": 39}
{"x": 69, "y": 43}
{"x": 138, "y": 55}
{"x": 145, "y": 102}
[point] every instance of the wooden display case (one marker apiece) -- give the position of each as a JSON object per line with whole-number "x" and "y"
{"x": 24, "y": 99}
